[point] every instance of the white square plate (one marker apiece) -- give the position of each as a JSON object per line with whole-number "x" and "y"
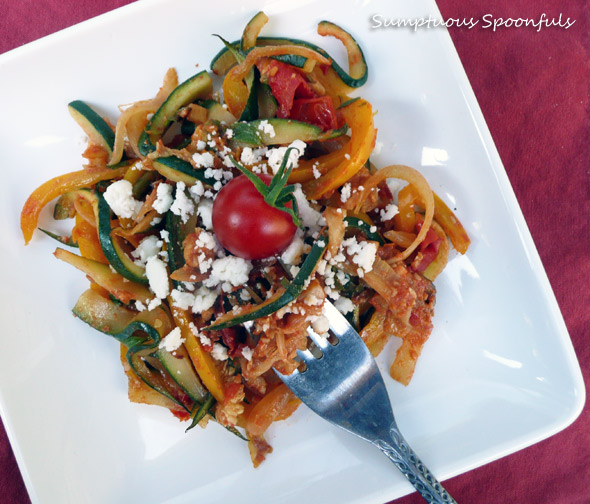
{"x": 498, "y": 374}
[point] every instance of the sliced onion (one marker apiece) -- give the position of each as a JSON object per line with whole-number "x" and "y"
{"x": 421, "y": 186}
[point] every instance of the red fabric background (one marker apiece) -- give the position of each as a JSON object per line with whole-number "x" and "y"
{"x": 533, "y": 89}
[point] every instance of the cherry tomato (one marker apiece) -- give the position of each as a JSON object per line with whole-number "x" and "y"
{"x": 246, "y": 225}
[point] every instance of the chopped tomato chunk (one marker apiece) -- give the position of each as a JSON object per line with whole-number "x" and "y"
{"x": 428, "y": 249}
{"x": 286, "y": 83}
{"x": 317, "y": 111}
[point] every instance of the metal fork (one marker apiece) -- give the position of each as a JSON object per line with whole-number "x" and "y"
{"x": 345, "y": 387}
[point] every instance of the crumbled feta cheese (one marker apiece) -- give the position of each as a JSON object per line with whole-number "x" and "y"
{"x": 119, "y": 196}
{"x": 310, "y": 218}
{"x": 275, "y": 156}
{"x": 201, "y": 145}
{"x": 345, "y": 192}
{"x": 203, "y": 160}
{"x": 321, "y": 325}
{"x": 363, "y": 254}
{"x": 182, "y": 300}
{"x": 148, "y": 247}
{"x": 183, "y": 205}
{"x": 172, "y": 341}
{"x": 247, "y": 353}
{"x": 228, "y": 271}
{"x": 205, "y": 340}
{"x": 157, "y": 275}
{"x": 313, "y": 300}
{"x": 165, "y": 235}
{"x": 204, "y": 210}
{"x": 206, "y": 240}
{"x": 251, "y": 156}
{"x": 292, "y": 254}
{"x": 344, "y": 305}
{"x": 204, "y": 299}
{"x": 316, "y": 172}
{"x": 216, "y": 174}
{"x": 267, "y": 128}
{"x": 219, "y": 352}
{"x": 205, "y": 263}
{"x": 163, "y": 198}
{"x": 389, "y": 212}
{"x": 188, "y": 286}
{"x": 342, "y": 277}
{"x": 154, "y": 303}
{"x": 229, "y": 133}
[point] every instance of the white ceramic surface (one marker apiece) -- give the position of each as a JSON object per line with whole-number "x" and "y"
{"x": 498, "y": 374}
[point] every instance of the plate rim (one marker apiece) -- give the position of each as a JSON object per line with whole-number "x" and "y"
{"x": 499, "y": 170}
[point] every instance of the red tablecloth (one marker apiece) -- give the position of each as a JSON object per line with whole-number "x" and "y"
{"x": 533, "y": 88}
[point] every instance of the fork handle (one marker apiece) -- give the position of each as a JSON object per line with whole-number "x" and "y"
{"x": 400, "y": 453}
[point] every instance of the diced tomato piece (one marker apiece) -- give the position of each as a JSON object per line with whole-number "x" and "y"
{"x": 317, "y": 111}
{"x": 428, "y": 248}
{"x": 286, "y": 83}
{"x": 233, "y": 338}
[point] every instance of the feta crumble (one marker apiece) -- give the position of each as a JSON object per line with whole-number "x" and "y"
{"x": 219, "y": 352}
{"x": 204, "y": 299}
{"x": 344, "y": 305}
{"x": 229, "y": 271}
{"x": 172, "y": 341}
{"x": 148, "y": 247}
{"x": 310, "y": 218}
{"x": 345, "y": 192}
{"x": 181, "y": 299}
{"x": 267, "y": 128}
{"x": 197, "y": 190}
{"x": 205, "y": 340}
{"x": 203, "y": 160}
{"x": 362, "y": 253}
{"x": 389, "y": 212}
{"x": 292, "y": 254}
{"x": 251, "y": 156}
{"x": 119, "y": 196}
{"x": 275, "y": 156}
{"x": 205, "y": 210}
{"x": 163, "y": 198}
{"x": 157, "y": 275}
{"x": 321, "y": 325}
{"x": 183, "y": 205}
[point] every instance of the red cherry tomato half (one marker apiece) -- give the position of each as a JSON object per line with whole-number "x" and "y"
{"x": 246, "y": 225}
